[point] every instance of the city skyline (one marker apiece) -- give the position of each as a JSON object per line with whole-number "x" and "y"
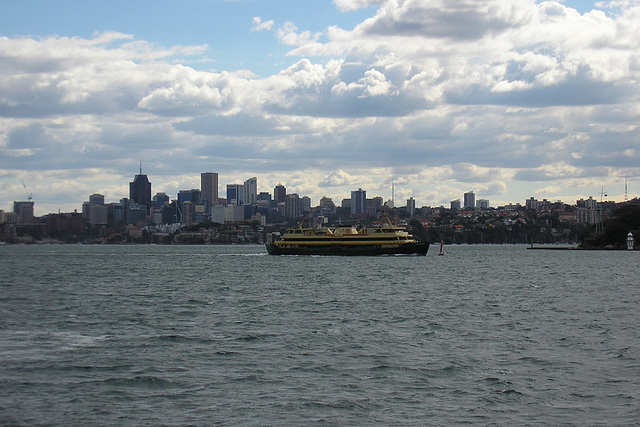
{"x": 141, "y": 192}
{"x": 507, "y": 99}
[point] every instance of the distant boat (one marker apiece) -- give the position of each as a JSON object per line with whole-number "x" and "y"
{"x": 385, "y": 240}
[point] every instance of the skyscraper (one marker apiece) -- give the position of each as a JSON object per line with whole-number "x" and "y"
{"x": 250, "y": 194}
{"x": 411, "y": 206}
{"x": 235, "y": 194}
{"x": 358, "y": 201}
{"x": 469, "y": 200}
{"x": 209, "y": 186}
{"x": 279, "y": 193}
{"x": 140, "y": 190}
{"x": 24, "y": 212}
{"x": 292, "y": 208}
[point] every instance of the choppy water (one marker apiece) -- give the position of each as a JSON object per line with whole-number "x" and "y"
{"x": 209, "y": 335}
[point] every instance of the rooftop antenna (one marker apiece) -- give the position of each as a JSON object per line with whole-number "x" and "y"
{"x": 393, "y": 192}
{"x": 625, "y": 189}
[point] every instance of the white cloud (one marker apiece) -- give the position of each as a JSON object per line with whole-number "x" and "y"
{"x": 348, "y": 5}
{"x": 259, "y": 25}
{"x": 444, "y": 96}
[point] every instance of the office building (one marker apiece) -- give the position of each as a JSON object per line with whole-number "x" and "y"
{"x": 469, "y": 200}
{"x": 279, "y": 193}
{"x": 160, "y": 199}
{"x": 327, "y": 207}
{"x": 140, "y": 190}
{"x": 24, "y": 212}
{"x": 96, "y": 199}
{"x": 209, "y": 187}
{"x": 292, "y": 206}
{"x": 358, "y": 201}
{"x": 411, "y": 206}
{"x": 235, "y": 194}
{"x": 482, "y": 204}
{"x": 455, "y": 204}
{"x": 250, "y": 191}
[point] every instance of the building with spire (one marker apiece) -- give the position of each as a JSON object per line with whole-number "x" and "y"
{"x": 140, "y": 190}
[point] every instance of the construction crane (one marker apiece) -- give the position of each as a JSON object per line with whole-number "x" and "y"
{"x": 29, "y": 195}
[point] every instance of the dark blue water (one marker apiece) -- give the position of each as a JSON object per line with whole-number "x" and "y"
{"x": 166, "y": 335}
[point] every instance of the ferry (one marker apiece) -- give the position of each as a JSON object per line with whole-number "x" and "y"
{"x": 385, "y": 240}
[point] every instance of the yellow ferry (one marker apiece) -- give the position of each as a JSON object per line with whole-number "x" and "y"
{"x": 385, "y": 240}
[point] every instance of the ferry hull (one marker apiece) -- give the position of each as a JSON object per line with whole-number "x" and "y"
{"x": 418, "y": 248}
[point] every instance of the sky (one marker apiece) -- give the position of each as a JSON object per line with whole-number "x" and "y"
{"x": 509, "y": 99}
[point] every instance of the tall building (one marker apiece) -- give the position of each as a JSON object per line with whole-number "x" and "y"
{"x": 358, "y": 201}
{"x": 327, "y": 207}
{"x": 482, "y": 204}
{"x": 209, "y": 187}
{"x": 160, "y": 199}
{"x": 24, "y": 212}
{"x": 95, "y": 212}
{"x": 305, "y": 205}
{"x": 235, "y": 194}
{"x": 250, "y": 194}
{"x": 469, "y": 200}
{"x": 140, "y": 190}
{"x": 279, "y": 193}
{"x": 292, "y": 206}
{"x": 455, "y": 204}
{"x": 411, "y": 206}
{"x": 96, "y": 199}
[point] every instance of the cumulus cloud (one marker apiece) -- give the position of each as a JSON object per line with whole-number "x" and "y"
{"x": 259, "y": 25}
{"x": 337, "y": 178}
{"x": 443, "y": 96}
{"x": 348, "y": 5}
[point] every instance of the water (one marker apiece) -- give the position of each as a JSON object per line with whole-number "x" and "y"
{"x": 166, "y": 335}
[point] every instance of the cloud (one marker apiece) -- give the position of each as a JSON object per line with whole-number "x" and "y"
{"x": 449, "y": 19}
{"x": 349, "y": 5}
{"x": 337, "y": 179}
{"x": 259, "y": 25}
{"x": 440, "y": 97}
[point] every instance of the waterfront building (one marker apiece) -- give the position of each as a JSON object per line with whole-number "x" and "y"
{"x": 209, "y": 187}
{"x": 24, "y": 212}
{"x": 95, "y": 212}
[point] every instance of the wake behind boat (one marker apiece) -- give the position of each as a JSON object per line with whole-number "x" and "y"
{"x": 385, "y": 240}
